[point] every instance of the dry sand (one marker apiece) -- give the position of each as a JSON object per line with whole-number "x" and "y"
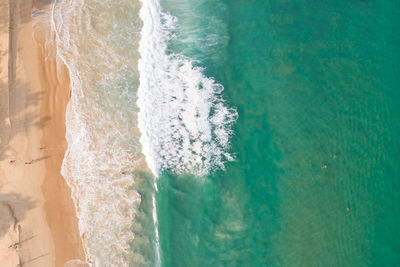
{"x": 36, "y": 208}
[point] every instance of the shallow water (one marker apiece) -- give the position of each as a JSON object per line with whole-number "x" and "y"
{"x": 270, "y": 130}
{"x": 98, "y": 41}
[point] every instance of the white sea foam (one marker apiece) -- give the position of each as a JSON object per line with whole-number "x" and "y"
{"x": 185, "y": 124}
{"x": 103, "y": 147}
{"x": 157, "y": 234}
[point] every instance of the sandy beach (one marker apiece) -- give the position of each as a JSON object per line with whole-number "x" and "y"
{"x": 36, "y": 209}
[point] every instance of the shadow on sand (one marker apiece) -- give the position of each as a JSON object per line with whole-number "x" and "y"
{"x": 13, "y": 116}
{"x": 26, "y": 11}
{"x": 13, "y": 208}
{"x": 16, "y": 96}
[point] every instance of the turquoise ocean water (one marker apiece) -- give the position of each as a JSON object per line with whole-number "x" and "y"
{"x": 316, "y": 177}
{"x": 294, "y": 163}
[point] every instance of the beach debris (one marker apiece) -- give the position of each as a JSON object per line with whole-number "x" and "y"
{"x": 28, "y": 162}
{"x": 15, "y": 245}
{"x": 12, "y": 161}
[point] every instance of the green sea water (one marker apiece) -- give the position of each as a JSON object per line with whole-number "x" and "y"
{"x": 316, "y": 176}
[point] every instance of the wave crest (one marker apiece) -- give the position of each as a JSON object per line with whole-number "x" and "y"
{"x": 184, "y": 121}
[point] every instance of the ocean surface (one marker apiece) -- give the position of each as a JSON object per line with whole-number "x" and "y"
{"x": 233, "y": 133}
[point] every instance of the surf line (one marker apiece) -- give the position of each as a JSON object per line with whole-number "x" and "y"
{"x": 74, "y": 83}
{"x": 185, "y": 124}
{"x": 149, "y": 13}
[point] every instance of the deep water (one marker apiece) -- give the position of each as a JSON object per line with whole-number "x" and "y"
{"x": 316, "y": 178}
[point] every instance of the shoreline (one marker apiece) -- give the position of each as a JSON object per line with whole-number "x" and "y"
{"x": 34, "y": 197}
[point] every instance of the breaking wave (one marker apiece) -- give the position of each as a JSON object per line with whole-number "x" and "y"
{"x": 185, "y": 124}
